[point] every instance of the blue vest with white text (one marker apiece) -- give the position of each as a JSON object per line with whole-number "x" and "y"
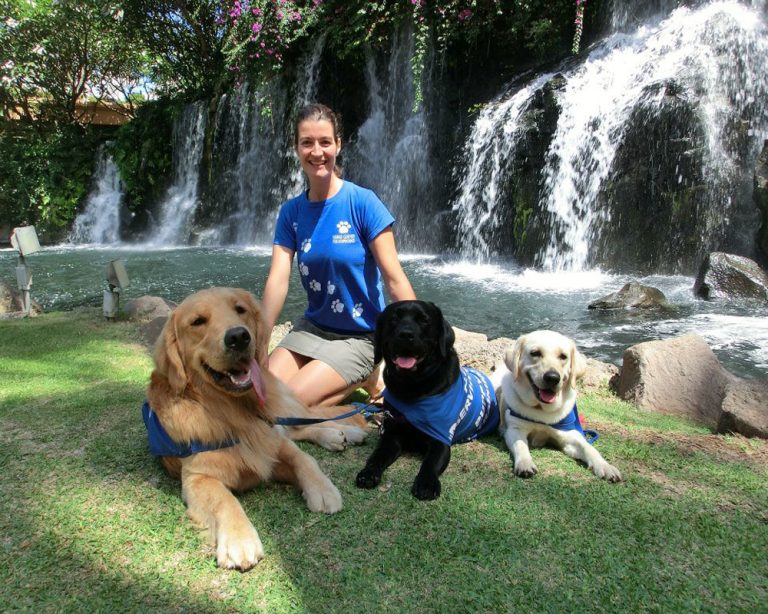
{"x": 466, "y": 411}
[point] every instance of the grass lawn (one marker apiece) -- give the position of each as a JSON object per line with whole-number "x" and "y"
{"x": 89, "y": 522}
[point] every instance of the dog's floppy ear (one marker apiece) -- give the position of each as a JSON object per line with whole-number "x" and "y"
{"x": 254, "y": 308}
{"x": 513, "y": 357}
{"x": 578, "y": 365}
{"x": 447, "y": 335}
{"x": 168, "y": 357}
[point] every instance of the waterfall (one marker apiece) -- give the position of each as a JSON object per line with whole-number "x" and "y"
{"x": 306, "y": 92}
{"x": 716, "y": 54}
{"x": 178, "y": 206}
{"x": 390, "y": 153}
{"x": 255, "y": 166}
{"x": 100, "y": 220}
{"x": 708, "y": 62}
{"x": 486, "y": 162}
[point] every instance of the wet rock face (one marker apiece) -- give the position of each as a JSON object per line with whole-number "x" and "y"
{"x": 632, "y": 296}
{"x": 726, "y": 276}
{"x": 760, "y": 196}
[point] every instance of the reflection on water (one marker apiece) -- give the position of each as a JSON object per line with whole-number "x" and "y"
{"x": 495, "y": 299}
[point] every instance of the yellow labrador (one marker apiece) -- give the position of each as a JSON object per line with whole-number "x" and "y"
{"x": 536, "y": 388}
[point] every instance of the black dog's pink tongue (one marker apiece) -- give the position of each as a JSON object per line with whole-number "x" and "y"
{"x": 405, "y": 362}
{"x": 546, "y": 396}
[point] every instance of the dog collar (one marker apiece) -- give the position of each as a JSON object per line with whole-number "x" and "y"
{"x": 161, "y": 443}
{"x": 572, "y": 422}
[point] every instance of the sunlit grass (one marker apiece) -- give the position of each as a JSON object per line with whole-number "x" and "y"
{"x": 90, "y": 522}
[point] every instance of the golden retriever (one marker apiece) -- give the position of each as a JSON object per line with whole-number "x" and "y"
{"x": 536, "y": 388}
{"x": 210, "y": 392}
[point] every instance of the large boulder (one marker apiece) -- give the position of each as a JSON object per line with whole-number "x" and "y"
{"x": 726, "y": 276}
{"x": 679, "y": 376}
{"x": 148, "y": 308}
{"x": 745, "y": 408}
{"x": 475, "y": 350}
{"x": 682, "y": 376}
{"x": 633, "y": 295}
{"x": 11, "y": 303}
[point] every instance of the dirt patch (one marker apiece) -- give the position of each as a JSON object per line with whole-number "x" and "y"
{"x": 731, "y": 448}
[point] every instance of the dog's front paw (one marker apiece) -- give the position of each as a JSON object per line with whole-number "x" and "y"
{"x": 354, "y": 435}
{"x": 331, "y": 438}
{"x": 607, "y": 472}
{"x": 367, "y": 478}
{"x": 525, "y": 469}
{"x": 238, "y": 548}
{"x": 323, "y": 497}
{"x": 426, "y": 487}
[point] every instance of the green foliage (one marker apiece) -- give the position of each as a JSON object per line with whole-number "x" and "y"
{"x": 143, "y": 151}
{"x": 44, "y": 176}
{"x": 260, "y": 31}
{"x": 184, "y": 40}
{"x": 59, "y": 53}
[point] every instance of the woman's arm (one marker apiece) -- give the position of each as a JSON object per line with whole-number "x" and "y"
{"x": 276, "y": 288}
{"x": 385, "y": 253}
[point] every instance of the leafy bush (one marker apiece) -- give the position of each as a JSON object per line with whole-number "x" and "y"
{"x": 44, "y": 175}
{"x": 143, "y": 151}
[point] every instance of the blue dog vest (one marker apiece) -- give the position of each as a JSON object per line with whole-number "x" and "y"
{"x": 466, "y": 411}
{"x": 570, "y": 423}
{"x": 161, "y": 444}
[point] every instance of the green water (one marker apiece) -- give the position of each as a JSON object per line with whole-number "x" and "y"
{"x": 499, "y": 300}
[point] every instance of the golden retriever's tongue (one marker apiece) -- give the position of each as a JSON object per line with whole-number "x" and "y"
{"x": 257, "y": 380}
{"x": 547, "y": 396}
{"x": 405, "y": 362}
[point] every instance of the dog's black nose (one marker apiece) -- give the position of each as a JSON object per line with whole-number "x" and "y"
{"x": 237, "y": 338}
{"x": 406, "y": 334}
{"x": 551, "y": 379}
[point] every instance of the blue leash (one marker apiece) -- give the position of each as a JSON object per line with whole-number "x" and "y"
{"x": 359, "y": 408}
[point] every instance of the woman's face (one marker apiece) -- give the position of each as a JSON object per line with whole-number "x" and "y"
{"x": 317, "y": 147}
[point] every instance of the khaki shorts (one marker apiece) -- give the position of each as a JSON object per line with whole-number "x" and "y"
{"x": 350, "y": 356}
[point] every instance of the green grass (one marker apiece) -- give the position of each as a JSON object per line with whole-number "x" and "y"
{"x": 89, "y": 522}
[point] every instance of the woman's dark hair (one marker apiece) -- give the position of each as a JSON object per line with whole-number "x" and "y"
{"x": 318, "y": 112}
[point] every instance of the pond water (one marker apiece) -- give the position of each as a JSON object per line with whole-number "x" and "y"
{"x": 498, "y": 299}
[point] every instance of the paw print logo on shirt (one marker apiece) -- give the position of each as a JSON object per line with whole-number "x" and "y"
{"x": 343, "y": 227}
{"x": 331, "y": 288}
{"x": 337, "y": 306}
{"x": 357, "y": 310}
{"x": 306, "y": 245}
{"x": 304, "y": 269}
{"x": 315, "y": 285}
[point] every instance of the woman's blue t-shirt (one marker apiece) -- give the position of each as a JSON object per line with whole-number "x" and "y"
{"x": 336, "y": 266}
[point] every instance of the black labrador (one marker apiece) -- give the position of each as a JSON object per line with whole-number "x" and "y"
{"x": 416, "y": 344}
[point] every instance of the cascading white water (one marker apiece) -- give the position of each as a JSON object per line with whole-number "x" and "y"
{"x": 491, "y": 144}
{"x": 716, "y": 54}
{"x": 306, "y": 92}
{"x": 181, "y": 200}
{"x": 100, "y": 220}
{"x": 391, "y": 151}
{"x": 257, "y": 167}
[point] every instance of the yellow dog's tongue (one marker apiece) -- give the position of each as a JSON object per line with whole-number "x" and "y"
{"x": 257, "y": 380}
{"x": 405, "y": 362}
{"x": 546, "y": 396}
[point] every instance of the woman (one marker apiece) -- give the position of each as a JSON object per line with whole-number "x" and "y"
{"x": 343, "y": 236}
